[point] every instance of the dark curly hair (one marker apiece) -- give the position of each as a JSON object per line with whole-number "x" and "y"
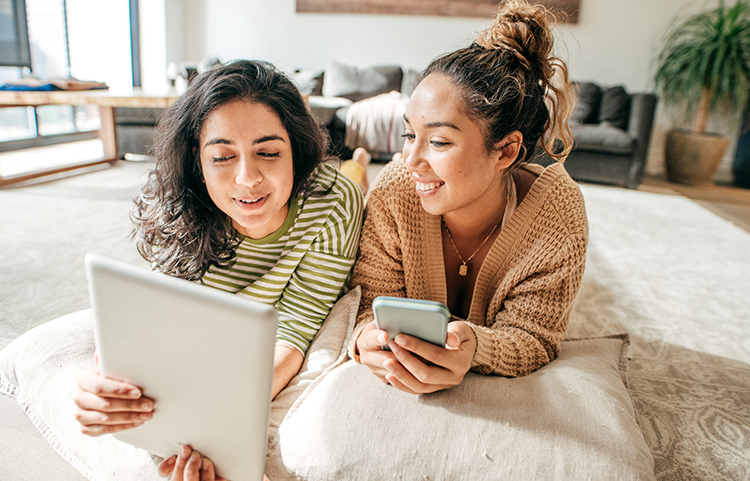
{"x": 509, "y": 80}
{"x": 178, "y": 228}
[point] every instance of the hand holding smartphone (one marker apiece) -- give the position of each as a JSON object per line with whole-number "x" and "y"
{"x": 426, "y": 320}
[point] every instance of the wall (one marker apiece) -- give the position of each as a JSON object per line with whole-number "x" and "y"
{"x": 613, "y": 43}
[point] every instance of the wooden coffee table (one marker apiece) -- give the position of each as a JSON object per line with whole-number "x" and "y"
{"x": 106, "y": 100}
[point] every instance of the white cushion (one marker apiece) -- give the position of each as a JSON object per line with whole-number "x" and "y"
{"x": 572, "y": 419}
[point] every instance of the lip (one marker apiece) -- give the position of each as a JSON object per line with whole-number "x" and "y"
{"x": 238, "y": 201}
{"x": 426, "y": 188}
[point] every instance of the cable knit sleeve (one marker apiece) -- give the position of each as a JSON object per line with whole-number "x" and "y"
{"x": 529, "y": 305}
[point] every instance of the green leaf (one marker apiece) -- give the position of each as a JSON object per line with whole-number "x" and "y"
{"x": 709, "y": 50}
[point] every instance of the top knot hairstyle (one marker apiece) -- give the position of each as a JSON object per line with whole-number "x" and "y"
{"x": 509, "y": 79}
{"x": 178, "y": 228}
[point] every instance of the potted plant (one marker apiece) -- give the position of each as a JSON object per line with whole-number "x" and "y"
{"x": 704, "y": 68}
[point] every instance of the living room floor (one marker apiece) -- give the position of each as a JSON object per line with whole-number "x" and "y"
{"x": 111, "y": 189}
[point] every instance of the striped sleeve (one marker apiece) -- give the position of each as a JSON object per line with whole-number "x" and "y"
{"x": 324, "y": 269}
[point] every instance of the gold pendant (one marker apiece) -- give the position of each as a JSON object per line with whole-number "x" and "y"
{"x": 463, "y": 269}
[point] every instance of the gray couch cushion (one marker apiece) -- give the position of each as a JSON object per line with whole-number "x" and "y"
{"x": 588, "y": 101}
{"x": 409, "y": 83}
{"x": 356, "y": 83}
{"x": 603, "y": 138}
{"x": 615, "y": 107}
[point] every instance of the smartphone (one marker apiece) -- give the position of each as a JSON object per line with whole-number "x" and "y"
{"x": 426, "y": 320}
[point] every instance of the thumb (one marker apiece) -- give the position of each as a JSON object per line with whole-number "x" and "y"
{"x": 454, "y": 338}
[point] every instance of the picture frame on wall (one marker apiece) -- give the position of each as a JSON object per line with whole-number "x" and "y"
{"x": 565, "y": 10}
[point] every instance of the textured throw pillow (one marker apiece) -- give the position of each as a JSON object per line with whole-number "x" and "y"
{"x": 572, "y": 419}
{"x": 41, "y": 367}
{"x": 615, "y": 107}
{"x": 356, "y": 83}
{"x": 588, "y": 101}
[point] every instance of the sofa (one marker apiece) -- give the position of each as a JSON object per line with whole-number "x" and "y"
{"x": 612, "y": 132}
{"x": 359, "y": 106}
{"x": 380, "y": 93}
{"x": 362, "y": 107}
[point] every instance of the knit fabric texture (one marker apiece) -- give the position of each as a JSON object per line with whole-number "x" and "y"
{"x": 527, "y": 283}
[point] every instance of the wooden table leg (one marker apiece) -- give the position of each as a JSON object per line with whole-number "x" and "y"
{"x": 108, "y": 132}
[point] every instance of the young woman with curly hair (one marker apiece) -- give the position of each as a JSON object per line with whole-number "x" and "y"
{"x": 239, "y": 200}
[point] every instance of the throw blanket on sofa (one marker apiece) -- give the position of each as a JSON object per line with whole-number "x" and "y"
{"x": 376, "y": 123}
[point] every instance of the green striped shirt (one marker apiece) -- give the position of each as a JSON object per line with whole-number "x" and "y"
{"x": 302, "y": 268}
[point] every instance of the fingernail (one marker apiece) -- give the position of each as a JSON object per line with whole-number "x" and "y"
{"x": 204, "y": 464}
{"x": 134, "y": 393}
{"x": 172, "y": 460}
{"x": 147, "y": 405}
{"x": 145, "y": 416}
{"x": 388, "y": 366}
{"x": 382, "y": 338}
{"x": 195, "y": 457}
{"x": 400, "y": 341}
{"x": 395, "y": 347}
{"x": 185, "y": 452}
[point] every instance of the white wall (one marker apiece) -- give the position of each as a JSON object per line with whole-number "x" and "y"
{"x": 613, "y": 43}
{"x": 272, "y": 30}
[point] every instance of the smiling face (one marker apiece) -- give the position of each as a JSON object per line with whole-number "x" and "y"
{"x": 246, "y": 158}
{"x": 445, "y": 153}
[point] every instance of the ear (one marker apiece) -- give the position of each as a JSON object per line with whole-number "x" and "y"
{"x": 507, "y": 150}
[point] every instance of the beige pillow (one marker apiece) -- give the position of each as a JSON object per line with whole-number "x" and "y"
{"x": 572, "y": 419}
{"x": 40, "y": 369}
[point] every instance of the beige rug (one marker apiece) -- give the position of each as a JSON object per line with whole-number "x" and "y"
{"x": 677, "y": 278}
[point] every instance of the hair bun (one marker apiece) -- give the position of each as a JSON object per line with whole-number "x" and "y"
{"x": 522, "y": 30}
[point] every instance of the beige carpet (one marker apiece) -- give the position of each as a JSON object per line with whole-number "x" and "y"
{"x": 663, "y": 268}
{"x": 677, "y": 278}
{"x": 45, "y": 231}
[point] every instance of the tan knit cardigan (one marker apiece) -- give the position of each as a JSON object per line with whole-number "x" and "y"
{"x": 526, "y": 285}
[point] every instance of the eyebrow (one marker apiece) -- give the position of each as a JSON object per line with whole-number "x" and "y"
{"x": 433, "y": 125}
{"x": 266, "y": 138}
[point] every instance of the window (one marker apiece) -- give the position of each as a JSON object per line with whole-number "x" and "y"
{"x": 86, "y": 39}
{"x": 14, "y": 38}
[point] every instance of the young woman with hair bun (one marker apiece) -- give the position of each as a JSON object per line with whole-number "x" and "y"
{"x": 461, "y": 217}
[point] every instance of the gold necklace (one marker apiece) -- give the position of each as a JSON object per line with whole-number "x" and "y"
{"x": 464, "y": 269}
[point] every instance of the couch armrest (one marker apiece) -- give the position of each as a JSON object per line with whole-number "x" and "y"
{"x": 640, "y": 124}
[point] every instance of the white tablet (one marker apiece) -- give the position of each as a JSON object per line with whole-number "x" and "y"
{"x": 205, "y": 356}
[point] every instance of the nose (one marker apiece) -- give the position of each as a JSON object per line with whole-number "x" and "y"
{"x": 247, "y": 172}
{"x": 413, "y": 156}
